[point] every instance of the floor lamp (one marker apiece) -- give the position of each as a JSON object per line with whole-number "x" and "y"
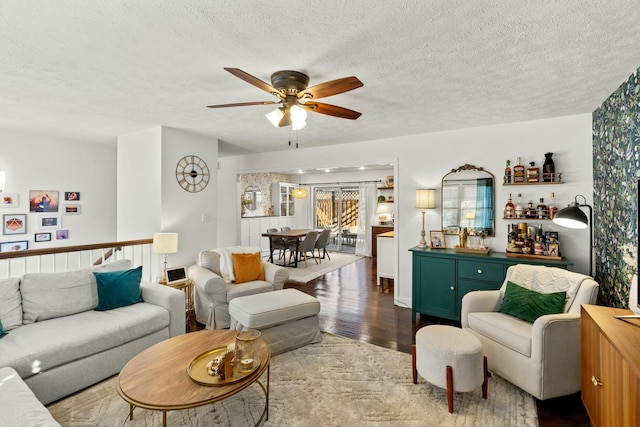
{"x": 425, "y": 199}
{"x": 165, "y": 243}
{"x": 573, "y": 217}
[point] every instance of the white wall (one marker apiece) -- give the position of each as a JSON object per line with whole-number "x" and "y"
{"x": 150, "y": 200}
{"x": 36, "y": 162}
{"x": 422, "y": 161}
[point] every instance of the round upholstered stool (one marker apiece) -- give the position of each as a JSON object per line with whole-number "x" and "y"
{"x": 449, "y": 358}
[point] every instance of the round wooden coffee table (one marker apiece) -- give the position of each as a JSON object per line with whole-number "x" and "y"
{"x": 157, "y": 378}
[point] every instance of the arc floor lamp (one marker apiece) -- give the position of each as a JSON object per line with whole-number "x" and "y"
{"x": 573, "y": 217}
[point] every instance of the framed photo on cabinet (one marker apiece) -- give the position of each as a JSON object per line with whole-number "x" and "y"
{"x": 437, "y": 239}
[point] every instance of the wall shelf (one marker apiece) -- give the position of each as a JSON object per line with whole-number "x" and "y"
{"x": 385, "y": 188}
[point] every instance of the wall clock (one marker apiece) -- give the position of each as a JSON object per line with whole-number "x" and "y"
{"x": 192, "y": 173}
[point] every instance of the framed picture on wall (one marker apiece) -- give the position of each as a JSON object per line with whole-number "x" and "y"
{"x": 62, "y": 234}
{"x": 71, "y": 209}
{"x": 437, "y": 239}
{"x": 10, "y": 200}
{"x": 21, "y": 245}
{"x": 72, "y": 196}
{"x": 14, "y": 224}
{"x": 47, "y": 222}
{"x": 43, "y": 201}
{"x": 42, "y": 237}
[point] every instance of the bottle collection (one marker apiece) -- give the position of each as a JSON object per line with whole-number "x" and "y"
{"x": 530, "y": 210}
{"x": 531, "y": 174}
{"x": 532, "y": 240}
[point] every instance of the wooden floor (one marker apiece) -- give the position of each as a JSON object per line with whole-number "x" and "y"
{"x": 353, "y": 306}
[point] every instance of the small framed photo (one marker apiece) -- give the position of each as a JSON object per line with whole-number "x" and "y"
{"x": 71, "y": 209}
{"x": 390, "y": 181}
{"x": 437, "y": 239}
{"x": 10, "y": 200}
{"x": 14, "y": 224}
{"x": 553, "y": 249}
{"x": 176, "y": 275}
{"x": 21, "y": 245}
{"x": 42, "y": 237}
{"x": 62, "y": 234}
{"x": 72, "y": 196}
{"x": 49, "y": 222}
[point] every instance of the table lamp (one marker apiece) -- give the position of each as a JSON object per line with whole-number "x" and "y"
{"x": 165, "y": 243}
{"x": 382, "y": 211}
{"x": 425, "y": 199}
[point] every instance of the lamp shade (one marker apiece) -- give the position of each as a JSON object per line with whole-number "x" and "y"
{"x": 299, "y": 193}
{"x": 571, "y": 217}
{"x": 165, "y": 243}
{"x": 275, "y": 116}
{"x": 382, "y": 209}
{"x": 426, "y": 198}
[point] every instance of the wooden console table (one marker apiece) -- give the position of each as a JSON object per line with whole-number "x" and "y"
{"x": 610, "y": 366}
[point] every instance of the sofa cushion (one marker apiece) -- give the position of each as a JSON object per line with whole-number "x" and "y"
{"x": 528, "y": 305}
{"x": 50, "y": 295}
{"x": 507, "y": 330}
{"x": 226, "y": 262}
{"x": 10, "y": 303}
{"x": 247, "y": 267}
{"x": 40, "y": 346}
{"x": 210, "y": 260}
{"x": 118, "y": 288}
{"x": 2, "y": 332}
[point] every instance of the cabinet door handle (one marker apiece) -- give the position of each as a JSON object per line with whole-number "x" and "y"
{"x": 596, "y": 382}
{"x": 452, "y": 288}
{"x": 479, "y": 271}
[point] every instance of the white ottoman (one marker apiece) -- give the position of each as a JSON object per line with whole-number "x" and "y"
{"x": 287, "y": 319}
{"x": 443, "y": 353}
{"x": 20, "y": 407}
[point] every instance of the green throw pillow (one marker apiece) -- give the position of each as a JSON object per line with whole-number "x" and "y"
{"x": 118, "y": 288}
{"x": 2, "y": 332}
{"x": 528, "y": 305}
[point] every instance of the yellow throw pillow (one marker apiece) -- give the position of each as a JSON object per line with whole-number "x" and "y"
{"x": 247, "y": 267}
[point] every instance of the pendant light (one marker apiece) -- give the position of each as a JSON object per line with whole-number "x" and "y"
{"x": 299, "y": 192}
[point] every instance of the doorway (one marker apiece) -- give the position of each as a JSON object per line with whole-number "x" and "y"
{"x": 337, "y": 209}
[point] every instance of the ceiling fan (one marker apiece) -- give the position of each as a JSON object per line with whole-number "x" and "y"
{"x": 296, "y": 98}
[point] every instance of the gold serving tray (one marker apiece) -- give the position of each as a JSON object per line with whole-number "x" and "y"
{"x": 197, "y": 369}
{"x": 472, "y": 251}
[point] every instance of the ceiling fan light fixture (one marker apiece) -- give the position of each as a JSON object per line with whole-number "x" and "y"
{"x": 275, "y": 116}
{"x": 297, "y": 125}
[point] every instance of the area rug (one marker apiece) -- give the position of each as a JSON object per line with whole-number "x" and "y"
{"x": 303, "y": 274}
{"x": 338, "y": 382}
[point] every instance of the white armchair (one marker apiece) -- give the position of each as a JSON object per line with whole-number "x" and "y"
{"x": 542, "y": 358}
{"x": 213, "y": 279}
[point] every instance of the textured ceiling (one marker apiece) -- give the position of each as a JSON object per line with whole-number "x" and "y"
{"x": 92, "y": 70}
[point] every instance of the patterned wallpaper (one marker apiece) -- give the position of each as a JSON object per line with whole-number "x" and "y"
{"x": 263, "y": 182}
{"x": 616, "y": 169}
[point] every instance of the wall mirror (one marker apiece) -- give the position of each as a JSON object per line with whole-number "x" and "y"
{"x": 251, "y": 198}
{"x": 468, "y": 200}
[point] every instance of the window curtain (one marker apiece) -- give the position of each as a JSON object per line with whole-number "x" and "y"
{"x": 366, "y": 208}
{"x": 303, "y": 217}
{"x": 484, "y": 202}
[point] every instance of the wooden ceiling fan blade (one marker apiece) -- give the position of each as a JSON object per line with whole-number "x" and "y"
{"x": 243, "y": 104}
{"x": 331, "y": 110}
{"x": 332, "y": 87}
{"x": 260, "y": 84}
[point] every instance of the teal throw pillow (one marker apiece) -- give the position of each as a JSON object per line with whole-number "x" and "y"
{"x": 118, "y": 288}
{"x": 2, "y": 332}
{"x": 528, "y": 305}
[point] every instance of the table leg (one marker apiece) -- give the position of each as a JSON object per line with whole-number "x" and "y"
{"x": 295, "y": 259}
{"x": 270, "y": 249}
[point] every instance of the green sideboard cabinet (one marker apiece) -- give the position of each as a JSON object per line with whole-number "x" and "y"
{"x": 441, "y": 277}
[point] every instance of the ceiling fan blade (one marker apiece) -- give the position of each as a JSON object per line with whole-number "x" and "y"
{"x": 254, "y": 81}
{"x": 331, "y": 110}
{"x": 286, "y": 119}
{"x": 332, "y": 87}
{"x": 243, "y": 104}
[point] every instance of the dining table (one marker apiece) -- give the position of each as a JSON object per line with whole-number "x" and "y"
{"x": 293, "y": 235}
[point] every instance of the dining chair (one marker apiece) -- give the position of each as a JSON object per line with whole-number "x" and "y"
{"x": 279, "y": 244}
{"x": 322, "y": 242}
{"x": 308, "y": 245}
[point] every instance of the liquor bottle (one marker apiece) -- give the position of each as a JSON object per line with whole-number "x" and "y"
{"x": 553, "y": 209}
{"x": 533, "y": 173}
{"x": 509, "y": 209}
{"x": 542, "y": 210}
{"x": 531, "y": 211}
{"x": 507, "y": 173}
{"x": 538, "y": 246}
{"x": 518, "y": 172}
{"x": 519, "y": 207}
{"x": 512, "y": 234}
{"x": 548, "y": 168}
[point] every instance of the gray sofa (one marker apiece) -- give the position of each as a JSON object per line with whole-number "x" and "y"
{"x": 59, "y": 344}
